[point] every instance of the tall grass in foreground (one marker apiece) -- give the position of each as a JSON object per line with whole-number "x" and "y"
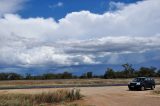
{"x": 157, "y": 91}
{"x": 64, "y": 95}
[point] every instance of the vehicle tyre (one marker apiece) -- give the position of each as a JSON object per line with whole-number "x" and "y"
{"x": 152, "y": 87}
{"x": 142, "y": 88}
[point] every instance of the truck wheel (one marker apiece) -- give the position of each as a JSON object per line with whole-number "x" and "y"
{"x": 152, "y": 87}
{"x": 142, "y": 88}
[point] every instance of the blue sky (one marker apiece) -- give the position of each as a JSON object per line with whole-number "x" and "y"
{"x": 39, "y": 36}
{"x": 50, "y": 8}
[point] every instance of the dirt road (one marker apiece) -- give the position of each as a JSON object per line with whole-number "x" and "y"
{"x": 106, "y": 96}
{"x": 119, "y": 96}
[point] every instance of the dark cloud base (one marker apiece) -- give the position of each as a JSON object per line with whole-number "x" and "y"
{"x": 98, "y": 69}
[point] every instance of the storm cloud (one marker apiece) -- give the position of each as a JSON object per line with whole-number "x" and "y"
{"x": 80, "y": 37}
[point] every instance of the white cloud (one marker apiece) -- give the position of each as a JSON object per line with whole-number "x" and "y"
{"x": 81, "y": 37}
{"x": 122, "y": 44}
{"x": 28, "y": 52}
{"x": 29, "y": 28}
{"x": 141, "y": 19}
{"x": 10, "y": 6}
{"x": 113, "y": 6}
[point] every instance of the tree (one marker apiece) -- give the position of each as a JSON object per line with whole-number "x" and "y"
{"x": 3, "y": 76}
{"x": 89, "y": 75}
{"x": 84, "y": 75}
{"x": 28, "y": 76}
{"x": 109, "y": 73}
{"x": 158, "y": 73}
{"x": 49, "y": 76}
{"x": 67, "y": 75}
{"x": 147, "y": 72}
{"x": 128, "y": 70}
{"x": 14, "y": 76}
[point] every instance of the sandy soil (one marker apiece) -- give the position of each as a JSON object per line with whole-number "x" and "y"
{"x": 119, "y": 96}
{"x": 107, "y": 96}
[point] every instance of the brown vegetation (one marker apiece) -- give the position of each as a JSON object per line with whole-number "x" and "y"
{"x": 157, "y": 91}
{"x": 62, "y": 82}
{"x": 44, "y": 98}
{"x": 66, "y": 82}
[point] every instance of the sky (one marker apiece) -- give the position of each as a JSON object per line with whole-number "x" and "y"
{"x": 39, "y": 36}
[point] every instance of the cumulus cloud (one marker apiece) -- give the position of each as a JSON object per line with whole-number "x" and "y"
{"x": 140, "y": 19}
{"x": 29, "y": 28}
{"x": 133, "y": 20}
{"x": 81, "y": 37}
{"x": 10, "y": 6}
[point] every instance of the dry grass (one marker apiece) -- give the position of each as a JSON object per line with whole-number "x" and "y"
{"x": 43, "y": 99}
{"x": 62, "y": 82}
{"x": 59, "y": 82}
{"x": 157, "y": 91}
{"x": 75, "y": 104}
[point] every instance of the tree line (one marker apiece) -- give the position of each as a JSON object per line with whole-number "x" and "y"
{"x": 130, "y": 72}
{"x": 127, "y": 72}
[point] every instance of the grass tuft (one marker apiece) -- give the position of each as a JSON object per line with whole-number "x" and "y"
{"x": 156, "y": 91}
{"x": 64, "y": 95}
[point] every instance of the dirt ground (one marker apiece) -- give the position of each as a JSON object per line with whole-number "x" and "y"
{"x": 107, "y": 96}
{"x": 119, "y": 96}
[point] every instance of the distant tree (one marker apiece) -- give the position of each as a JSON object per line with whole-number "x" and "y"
{"x": 89, "y": 75}
{"x": 14, "y": 76}
{"x": 3, "y": 76}
{"x": 49, "y": 76}
{"x": 120, "y": 74}
{"x": 28, "y": 76}
{"x": 67, "y": 75}
{"x": 109, "y": 73}
{"x": 158, "y": 73}
{"x": 128, "y": 70}
{"x": 148, "y": 72}
{"x": 83, "y": 75}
